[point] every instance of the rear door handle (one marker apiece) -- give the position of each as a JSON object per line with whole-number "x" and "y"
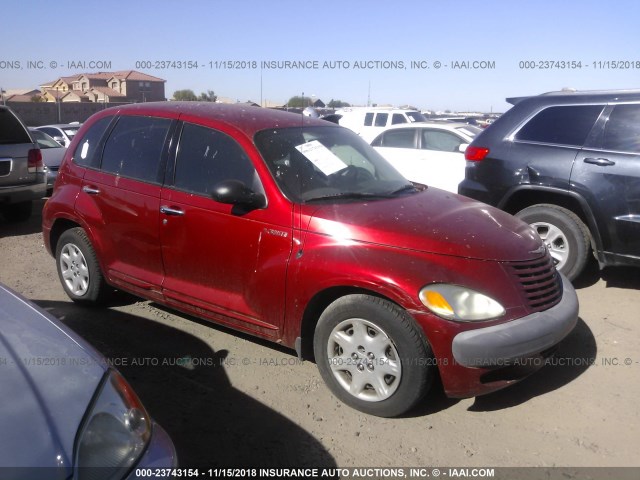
{"x": 602, "y": 162}
{"x": 90, "y": 190}
{"x": 171, "y": 211}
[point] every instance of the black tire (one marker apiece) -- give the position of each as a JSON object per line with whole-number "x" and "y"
{"x": 18, "y": 212}
{"x": 569, "y": 245}
{"x": 78, "y": 269}
{"x": 399, "y": 357}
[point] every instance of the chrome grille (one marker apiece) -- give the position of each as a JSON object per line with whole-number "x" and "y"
{"x": 539, "y": 282}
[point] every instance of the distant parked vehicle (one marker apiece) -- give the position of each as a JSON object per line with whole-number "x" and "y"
{"x": 61, "y": 133}
{"x": 22, "y": 171}
{"x": 52, "y": 154}
{"x": 428, "y": 153}
{"x": 370, "y": 121}
{"x": 567, "y": 163}
{"x": 63, "y": 408}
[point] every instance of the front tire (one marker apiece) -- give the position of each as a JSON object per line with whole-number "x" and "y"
{"x": 78, "y": 268}
{"x": 564, "y": 234}
{"x": 372, "y": 356}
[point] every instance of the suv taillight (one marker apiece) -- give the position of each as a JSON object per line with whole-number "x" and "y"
{"x": 476, "y": 154}
{"x": 34, "y": 161}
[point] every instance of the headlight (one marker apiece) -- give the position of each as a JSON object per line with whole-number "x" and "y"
{"x": 458, "y": 303}
{"x": 114, "y": 434}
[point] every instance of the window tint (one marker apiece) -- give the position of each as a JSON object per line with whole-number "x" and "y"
{"x": 622, "y": 131}
{"x": 398, "y": 118}
{"x": 11, "y": 131}
{"x": 134, "y": 148}
{"x": 381, "y": 119}
{"x": 440, "y": 140}
{"x": 86, "y": 150}
{"x": 402, "y": 138}
{"x": 368, "y": 119}
{"x": 206, "y": 157}
{"x": 565, "y": 125}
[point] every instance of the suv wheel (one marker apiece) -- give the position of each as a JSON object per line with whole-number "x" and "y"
{"x": 564, "y": 234}
{"x": 371, "y": 355}
{"x": 18, "y": 212}
{"x": 78, "y": 268}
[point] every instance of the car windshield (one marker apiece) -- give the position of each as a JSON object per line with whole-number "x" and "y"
{"x": 44, "y": 140}
{"x": 320, "y": 164}
{"x": 416, "y": 117}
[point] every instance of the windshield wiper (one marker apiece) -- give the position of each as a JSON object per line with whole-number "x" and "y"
{"x": 404, "y": 189}
{"x": 349, "y": 196}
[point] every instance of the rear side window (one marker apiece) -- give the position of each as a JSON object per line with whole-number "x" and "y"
{"x": 400, "y": 138}
{"x": 622, "y": 130}
{"x": 381, "y": 119}
{"x": 398, "y": 118}
{"x": 562, "y": 125}
{"x": 368, "y": 119}
{"x": 86, "y": 153}
{"x": 11, "y": 130}
{"x": 134, "y": 148}
{"x": 206, "y": 157}
{"x": 440, "y": 141}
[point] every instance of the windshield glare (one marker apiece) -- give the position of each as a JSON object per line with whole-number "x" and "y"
{"x": 325, "y": 163}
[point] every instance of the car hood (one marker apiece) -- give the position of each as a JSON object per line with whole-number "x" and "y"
{"x": 48, "y": 377}
{"x": 432, "y": 221}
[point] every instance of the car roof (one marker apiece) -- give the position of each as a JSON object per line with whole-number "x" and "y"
{"x": 566, "y": 96}
{"x": 440, "y": 125}
{"x": 246, "y": 118}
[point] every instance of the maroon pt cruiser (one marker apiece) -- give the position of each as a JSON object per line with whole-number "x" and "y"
{"x": 295, "y": 230}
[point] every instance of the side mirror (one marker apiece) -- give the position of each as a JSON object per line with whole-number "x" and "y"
{"x": 235, "y": 192}
{"x": 463, "y": 147}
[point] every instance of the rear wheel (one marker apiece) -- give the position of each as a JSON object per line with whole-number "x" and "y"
{"x": 78, "y": 268}
{"x": 372, "y": 356}
{"x": 564, "y": 234}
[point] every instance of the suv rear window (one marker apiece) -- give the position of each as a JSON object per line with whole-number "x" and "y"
{"x": 622, "y": 131}
{"x": 11, "y": 131}
{"x": 562, "y": 125}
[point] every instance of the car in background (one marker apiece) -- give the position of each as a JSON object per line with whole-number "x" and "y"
{"x": 64, "y": 408}
{"x": 22, "y": 171}
{"x": 62, "y": 133}
{"x": 52, "y": 154}
{"x": 567, "y": 163}
{"x": 431, "y": 153}
{"x": 296, "y": 230}
{"x": 369, "y": 121}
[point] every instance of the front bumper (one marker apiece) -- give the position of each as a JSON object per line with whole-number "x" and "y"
{"x": 502, "y": 345}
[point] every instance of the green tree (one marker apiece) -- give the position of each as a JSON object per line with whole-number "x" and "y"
{"x": 299, "y": 102}
{"x": 37, "y": 98}
{"x": 186, "y": 94}
{"x": 338, "y": 104}
{"x": 208, "y": 96}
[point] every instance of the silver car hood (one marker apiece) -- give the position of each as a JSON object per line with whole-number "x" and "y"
{"x": 48, "y": 376}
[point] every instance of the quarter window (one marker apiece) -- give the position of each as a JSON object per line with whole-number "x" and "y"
{"x": 134, "y": 148}
{"x": 206, "y": 157}
{"x": 622, "y": 130}
{"x": 368, "y": 119}
{"x": 562, "y": 125}
{"x": 86, "y": 153}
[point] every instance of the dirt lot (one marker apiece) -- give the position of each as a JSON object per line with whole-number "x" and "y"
{"x": 228, "y": 399}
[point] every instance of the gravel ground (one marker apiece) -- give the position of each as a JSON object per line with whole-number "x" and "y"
{"x": 228, "y": 399}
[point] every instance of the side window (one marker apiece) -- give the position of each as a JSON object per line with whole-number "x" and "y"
{"x": 368, "y": 119}
{"x": 622, "y": 130}
{"x": 563, "y": 125}
{"x": 401, "y": 138}
{"x": 381, "y": 119}
{"x": 206, "y": 157}
{"x": 398, "y": 118}
{"x": 86, "y": 151}
{"x": 134, "y": 148}
{"x": 440, "y": 141}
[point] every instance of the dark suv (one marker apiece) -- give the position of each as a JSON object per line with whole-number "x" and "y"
{"x": 22, "y": 172}
{"x": 568, "y": 163}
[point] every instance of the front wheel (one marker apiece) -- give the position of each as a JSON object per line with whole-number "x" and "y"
{"x": 78, "y": 268}
{"x": 372, "y": 356}
{"x": 564, "y": 234}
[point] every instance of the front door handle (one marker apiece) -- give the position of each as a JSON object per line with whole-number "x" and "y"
{"x": 171, "y": 211}
{"x": 601, "y": 162}
{"x": 90, "y": 190}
